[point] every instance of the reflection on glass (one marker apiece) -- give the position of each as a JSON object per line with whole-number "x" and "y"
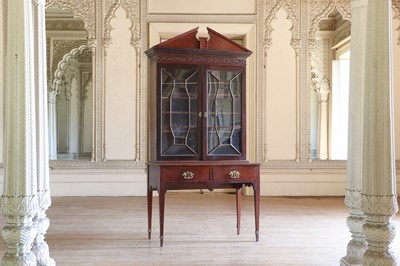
{"x": 328, "y": 137}
{"x": 179, "y": 112}
{"x": 70, "y": 94}
{"x": 224, "y": 125}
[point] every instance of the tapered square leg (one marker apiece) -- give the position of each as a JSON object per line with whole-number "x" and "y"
{"x": 161, "y": 198}
{"x": 149, "y": 210}
{"x": 238, "y": 208}
{"x": 257, "y": 209}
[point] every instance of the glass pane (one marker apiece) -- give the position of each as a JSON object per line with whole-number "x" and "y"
{"x": 179, "y": 132}
{"x": 224, "y": 122}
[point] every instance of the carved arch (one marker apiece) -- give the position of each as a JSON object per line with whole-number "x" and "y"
{"x": 133, "y": 13}
{"x": 83, "y": 9}
{"x": 344, "y": 8}
{"x": 59, "y": 73}
{"x": 292, "y": 8}
{"x": 320, "y": 9}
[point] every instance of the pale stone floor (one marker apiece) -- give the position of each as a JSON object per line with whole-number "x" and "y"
{"x": 200, "y": 229}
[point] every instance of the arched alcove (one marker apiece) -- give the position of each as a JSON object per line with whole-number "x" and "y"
{"x": 328, "y": 95}
{"x": 69, "y": 65}
{"x": 73, "y": 111}
{"x": 280, "y": 90}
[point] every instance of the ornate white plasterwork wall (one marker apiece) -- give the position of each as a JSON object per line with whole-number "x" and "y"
{"x": 299, "y": 13}
{"x": 304, "y": 16}
{"x": 84, "y": 9}
{"x": 97, "y": 17}
{"x": 269, "y": 13}
{"x": 132, "y": 7}
{"x": 92, "y": 13}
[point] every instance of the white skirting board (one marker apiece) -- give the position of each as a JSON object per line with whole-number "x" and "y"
{"x": 132, "y": 182}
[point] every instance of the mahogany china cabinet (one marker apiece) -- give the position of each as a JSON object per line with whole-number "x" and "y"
{"x": 198, "y": 120}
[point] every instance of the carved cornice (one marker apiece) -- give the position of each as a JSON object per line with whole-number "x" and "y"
{"x": 84, "y": 9}
{"x": 65, "y": 25}
{"x": 200, "y": 18}
{"x": 199, "y": 59}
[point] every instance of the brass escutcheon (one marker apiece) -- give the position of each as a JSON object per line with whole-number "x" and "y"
{"x": 234, "y": 174}
{"x": 187, "y": 175}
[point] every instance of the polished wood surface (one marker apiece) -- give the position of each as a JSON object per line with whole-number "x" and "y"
{"x": 164, "y": 176}
{"x": 111, "y": 231}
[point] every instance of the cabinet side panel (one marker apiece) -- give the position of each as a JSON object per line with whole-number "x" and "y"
{"x": 153, "y": 112}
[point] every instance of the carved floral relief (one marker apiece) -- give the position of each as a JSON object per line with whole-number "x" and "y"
{"x": 84, "y": 9}
{"x": 293, "y": 9}
{"x": 132, "y": 7}
{"x": 396, "y": 16}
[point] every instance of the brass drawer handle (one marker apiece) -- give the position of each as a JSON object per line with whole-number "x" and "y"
{"x": 234, "y": 174}
{"x": 187, "y": 175}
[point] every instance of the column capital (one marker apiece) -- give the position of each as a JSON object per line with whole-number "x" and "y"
{"x": 353, "y": 199}
{"x": 379, "y": 205}
{"x": 19, "y": 206}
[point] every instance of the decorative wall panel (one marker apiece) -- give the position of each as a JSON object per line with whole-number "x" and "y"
{"x": 84, "y": 9}
{"x": 201, "y": 7}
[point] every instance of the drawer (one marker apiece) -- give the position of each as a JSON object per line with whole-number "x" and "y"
{"x": 186, "y": 174}
{"x": 235, "y": 173}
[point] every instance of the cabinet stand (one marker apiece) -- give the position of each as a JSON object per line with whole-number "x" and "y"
{"x": 165, "y": 176}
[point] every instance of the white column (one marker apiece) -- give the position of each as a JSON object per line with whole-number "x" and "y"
{"x": 379, "y": 201}
{"x": 52, "y": 97}
{"x": 19, "y": 200}
{"x": 40, "y": 247}
{"x": 356, "y": 219}
{"x": 323, "y": 97}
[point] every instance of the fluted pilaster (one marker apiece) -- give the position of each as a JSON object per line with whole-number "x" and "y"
{"x": 323, "y": 97}
{"x": 52, "y": 125}
{"x": 19, "y": 200}
{"x": 379, "y": 177}
{"x": 353, "y": 198}
{"x": 40, "y": 247}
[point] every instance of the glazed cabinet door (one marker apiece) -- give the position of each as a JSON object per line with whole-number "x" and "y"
{"x": 179, "y": 109}
{"x": 225, "y": 112}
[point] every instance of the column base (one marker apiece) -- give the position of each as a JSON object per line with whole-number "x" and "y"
{"x": 27, "y": 260}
